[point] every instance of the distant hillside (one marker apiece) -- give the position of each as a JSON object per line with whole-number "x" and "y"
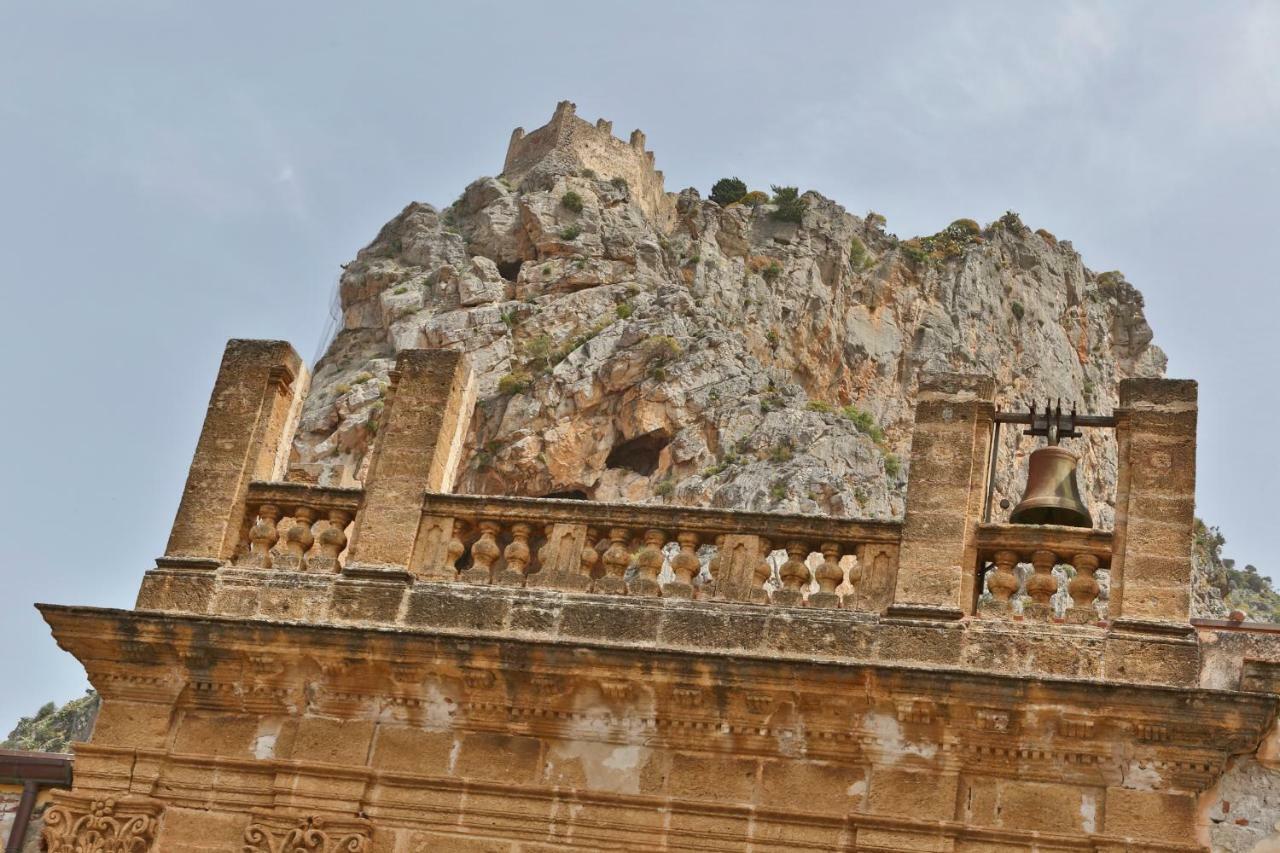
{"x": 54, "y": 729}
{"x": 1237, "y": 589}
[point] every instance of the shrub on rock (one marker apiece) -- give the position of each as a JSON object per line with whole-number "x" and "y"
{"x": 726, "y": 191}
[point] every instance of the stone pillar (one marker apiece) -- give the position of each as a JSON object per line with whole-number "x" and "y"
{"x": 1155, "y": 504}
{"x": 946, "y": 484}
{"x": 425, "y": 419}
{"x": 246, "y": 436}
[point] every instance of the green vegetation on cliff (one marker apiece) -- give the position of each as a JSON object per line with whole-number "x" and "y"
{"x": 54, "y": 729}
{"x": 1241, "y": 589}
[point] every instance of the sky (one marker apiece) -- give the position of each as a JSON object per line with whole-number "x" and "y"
{"x": 176, "y": 174}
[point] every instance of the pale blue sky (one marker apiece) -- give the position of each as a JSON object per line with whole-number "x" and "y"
{"x": 173, "y": 175}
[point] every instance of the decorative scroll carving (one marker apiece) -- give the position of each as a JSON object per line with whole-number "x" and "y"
{"x": 77, "y": 823}
{"x": 285, "y": 833}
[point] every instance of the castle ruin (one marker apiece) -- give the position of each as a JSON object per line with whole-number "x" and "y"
{"x": 568, "y": 144}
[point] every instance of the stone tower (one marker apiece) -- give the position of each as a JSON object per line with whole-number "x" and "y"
{"x": 568, "y": 144}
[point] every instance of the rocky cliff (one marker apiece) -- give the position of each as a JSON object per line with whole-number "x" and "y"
{"x": 760, "y": 353}
{"x": 53, "y": 728}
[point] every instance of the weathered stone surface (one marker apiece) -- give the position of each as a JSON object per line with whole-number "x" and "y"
{"x": 778, "y": 326}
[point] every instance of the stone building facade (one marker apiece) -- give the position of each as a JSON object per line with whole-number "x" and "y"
{"x": 397, "y": 668}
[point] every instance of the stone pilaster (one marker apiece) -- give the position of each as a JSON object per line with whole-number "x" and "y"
{"x": 417, "y": 449}
{"x": 1155, "y": 503}
{"x": 245, "y": 437}
{"x": 950, "y": 449}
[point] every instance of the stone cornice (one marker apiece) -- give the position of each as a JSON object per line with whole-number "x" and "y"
{"x": 949, "y": 719}
{"x": 1004, "y": 646}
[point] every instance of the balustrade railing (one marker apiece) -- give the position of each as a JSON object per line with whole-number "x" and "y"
{"x": 646, "y": 550}
{"x": 296, "y": 527}
{"x": 671, "y": 552}
{"x": 1004, "y": 547}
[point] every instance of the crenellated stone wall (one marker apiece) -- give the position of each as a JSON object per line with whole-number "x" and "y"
{"x": 568, "y": 144}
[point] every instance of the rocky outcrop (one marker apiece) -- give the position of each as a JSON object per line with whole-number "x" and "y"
{"x": 55, "y": 729}
{"x": 702, "y": 354}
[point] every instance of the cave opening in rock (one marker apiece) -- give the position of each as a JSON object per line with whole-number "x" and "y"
{"x": 574, "y": 495}
{"x": 510, "y": 270}
{"x": 639, "y": 454}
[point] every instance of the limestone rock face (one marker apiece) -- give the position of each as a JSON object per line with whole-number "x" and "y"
{"x": 690, "y": 353}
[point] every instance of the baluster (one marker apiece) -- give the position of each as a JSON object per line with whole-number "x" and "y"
{"x": 616, "y": 560}
{"x": 649, "y": 565}
{"x": 590, "y": 556}
{"x": 331, "y": 542}
{"x": 858, "y": 574}
{"x": 546, "y": 554}
{"x": 762, "y": 574}
{"x": 794, "y": 574}
{"x": 297, "y": 541}
{"x": 714, "y": 567}
{"x": 516, "y": 555}
{"x": 454, "y": 550}
{"x": 684, "y": 566}
{"x": 1041, "y": 586}
{"x": 1084, "y": 590}
{"x": 829, "y": 577}
{"x": 262, "y": 537}
{"x": 484, "y": 553}
{"x": 1002, "y": 581}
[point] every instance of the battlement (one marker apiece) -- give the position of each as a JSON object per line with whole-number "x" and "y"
{"x": 568, "y": 144}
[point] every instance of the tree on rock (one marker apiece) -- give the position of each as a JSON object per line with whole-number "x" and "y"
{"x": 728, "y": 190}
{"x": 790, "y": 207}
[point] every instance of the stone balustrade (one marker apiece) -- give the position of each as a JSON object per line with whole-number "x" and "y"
{"x": 939, "y": 564}
{"x": 296, "y": 527}
{"x": 1004, "y": 547}
{"x": 648, "y": 550}
{"x": 668, "y": 552}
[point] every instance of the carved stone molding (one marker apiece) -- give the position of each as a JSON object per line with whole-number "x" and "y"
{"x": 79, "y": 823}
{"x": 272, "y": 832}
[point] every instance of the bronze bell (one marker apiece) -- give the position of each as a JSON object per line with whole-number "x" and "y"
{"x": 1052, "y": 495}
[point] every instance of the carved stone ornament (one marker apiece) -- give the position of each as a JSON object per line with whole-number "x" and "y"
{"x": 78, "y": 823}
{"x": 283, "y": 833}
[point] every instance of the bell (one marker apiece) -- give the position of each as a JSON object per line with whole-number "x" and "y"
{"x": 1053, "y": 495}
